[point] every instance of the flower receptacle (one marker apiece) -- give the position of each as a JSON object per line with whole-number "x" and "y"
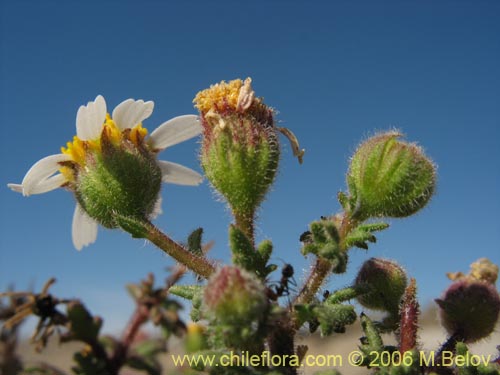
{"x": 123, "y": 179}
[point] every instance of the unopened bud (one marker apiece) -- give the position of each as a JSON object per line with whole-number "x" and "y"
{"x": 469, "y": 309}
{"x": 234, "y": 296}
{"x": 389, "y": 177}
{"x": 386, "y": 283}
{"x": 240, "y": 150}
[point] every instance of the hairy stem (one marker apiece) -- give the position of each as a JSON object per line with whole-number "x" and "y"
{"x": 408, "y": 326}
{"x": 246, "y": 223}
{"x": 448, "y": 346}
{"x": 281, "y": 343}
{"x": 313, "y": 283}
{"x": 199, "y": 265}
{"x": 322, "y": 269}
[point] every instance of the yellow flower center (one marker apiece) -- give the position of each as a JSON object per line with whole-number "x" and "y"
{"x": 219, "y": 96}
{"x": 78, "y": 149}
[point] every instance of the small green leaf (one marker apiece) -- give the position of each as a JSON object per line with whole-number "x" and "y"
{"x": 244, "y": 254}
{"x": 343, "y": 199}
{"x": 265, "y": 249}
{"x": 373, "y": 341}
{"x": 83, "y": 326}
{"x": 346, "y": 294}
{"x": 334, "y": 318}
{"x": 194, "y": 241}
{"x": 186, "y": 291}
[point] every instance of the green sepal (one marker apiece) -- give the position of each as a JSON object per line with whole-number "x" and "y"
{"x": 186, "y": 291}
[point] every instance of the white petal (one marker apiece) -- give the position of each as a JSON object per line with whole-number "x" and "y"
{"x": 84, "y": 228}
{"x": 90, "y": 118}
{"x": 157, "y": 211}
{"x": 178, "y": 174}
{"x": 41, "y": 171}
{"x": 176, "y": 130}
{"x": 49, "y": 184}
{"x": 131, "y": 112}
{"x": 18, "y": 188}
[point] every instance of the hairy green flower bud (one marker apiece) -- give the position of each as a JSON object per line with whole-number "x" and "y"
{"x": 388, "y": 177}
{"x": 470, "y": 309}
{"x": 123, "y": 178}
{"x": 234, "y": 296}
{"x": 240, "y": 150}
{"x": 386, "y": 282}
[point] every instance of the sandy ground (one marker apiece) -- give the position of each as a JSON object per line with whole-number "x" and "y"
{"x": 431, "y": 336}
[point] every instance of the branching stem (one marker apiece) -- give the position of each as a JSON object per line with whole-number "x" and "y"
{"x": 322, "y": 269}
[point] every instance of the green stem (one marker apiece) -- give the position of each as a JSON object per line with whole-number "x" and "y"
{"x": 197, "y": 264}
{"x": 322, "y": 269}
{"x": 246, "y": 223}
{"x": 313, "y": 283}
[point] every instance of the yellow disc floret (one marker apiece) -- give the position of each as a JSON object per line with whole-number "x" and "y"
{"x": 137, "y": 134}
{"x": 78, "y": 149}
{"x": 219, "y": 96}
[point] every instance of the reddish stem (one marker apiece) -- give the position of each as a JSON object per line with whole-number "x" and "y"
{"x": 140, "y": 317}
{"x": 409, "y": 319}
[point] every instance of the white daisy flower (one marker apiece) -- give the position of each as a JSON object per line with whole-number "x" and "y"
{"x": 99, "y": 138}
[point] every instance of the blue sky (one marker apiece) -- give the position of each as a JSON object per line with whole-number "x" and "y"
{"x": 335, "y": 71}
